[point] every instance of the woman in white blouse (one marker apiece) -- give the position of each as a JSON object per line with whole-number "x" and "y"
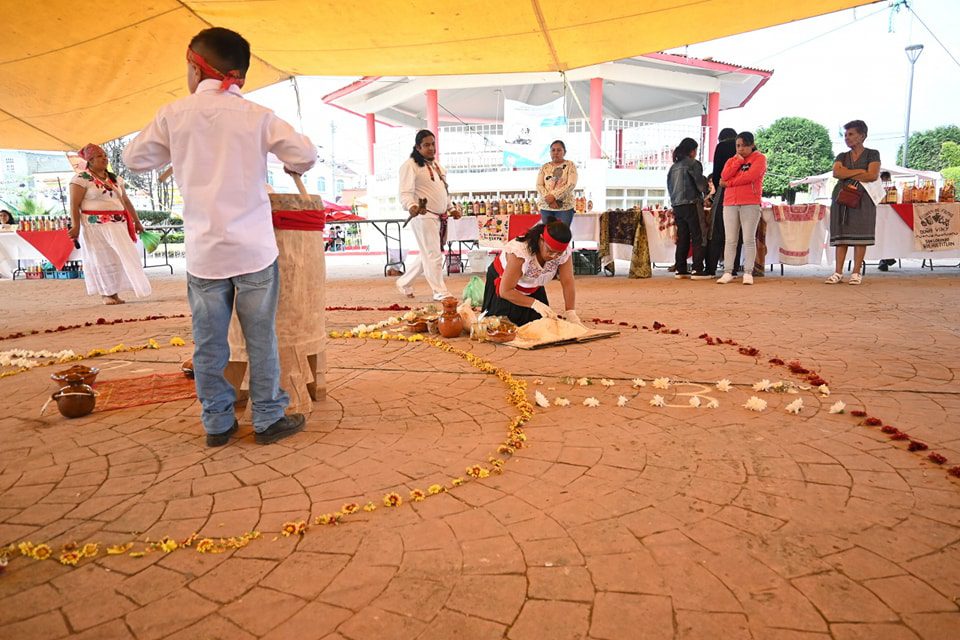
{"x": 517, "y": 278}
{"x": 555, "y": 184}
{"x": 106, "y": 223}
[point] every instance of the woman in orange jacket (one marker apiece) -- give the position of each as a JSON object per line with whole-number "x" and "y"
{"x": 742, "y": 177}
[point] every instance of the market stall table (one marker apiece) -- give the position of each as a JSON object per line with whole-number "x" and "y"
{"x": 16, "y": 247}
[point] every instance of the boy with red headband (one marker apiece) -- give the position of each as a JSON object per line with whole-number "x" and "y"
{"x": 217, "y": 143}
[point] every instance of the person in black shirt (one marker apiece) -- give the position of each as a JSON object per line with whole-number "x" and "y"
{"x": 726, "y": 148}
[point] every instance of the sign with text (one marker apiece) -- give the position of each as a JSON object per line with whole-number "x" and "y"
{"x": 936, "y": 227}
{"x": 528, "y": 131}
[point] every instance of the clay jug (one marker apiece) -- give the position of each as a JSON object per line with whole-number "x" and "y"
{"x": 76, "y": 399}
{"x": 450, "y": 323}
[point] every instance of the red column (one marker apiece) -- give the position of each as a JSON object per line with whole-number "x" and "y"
{"x": 596, "y": 117}
{"x": 433, "y": 116}
{"x": 371, "y": 140}
{"x": 712, "y": 120}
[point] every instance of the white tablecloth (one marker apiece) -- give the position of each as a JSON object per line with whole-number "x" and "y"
{"x": 585, "y": 228}
{"x": 13, "y": 248}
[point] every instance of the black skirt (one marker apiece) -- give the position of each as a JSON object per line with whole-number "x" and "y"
{"x": 494, "y": 305}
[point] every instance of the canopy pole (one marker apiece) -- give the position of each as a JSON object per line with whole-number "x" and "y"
{"x": 596, "y": 118}
{"x": 433, "y": 116}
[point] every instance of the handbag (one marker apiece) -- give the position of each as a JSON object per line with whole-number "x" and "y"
{"x": 849, "y": 196}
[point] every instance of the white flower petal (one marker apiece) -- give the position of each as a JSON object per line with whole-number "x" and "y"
{"x": 591, "y": 402}
{"x": 824, "y": 390}
{"x": 621, "y": 401}
{"x": 755, "y": 404}
{"x": 541, "y": 399}
{"x": 583, "y": 381}
{"x": 795, "y": 406}
{"x": 724, "y": 385}
{"x": 838, "y": 407}
{"x": 607, "y": 383}
{"x": 763, "y": 385}
{"x": 661, "y": 383}
{"x": 657, "y": 401}
{"x": 695, "y": 401}
{"x": 638, "y": 382}
{"x": 713, "y": 403}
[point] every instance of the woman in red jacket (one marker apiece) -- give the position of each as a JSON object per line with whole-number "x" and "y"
{"x": 742, "y": 176}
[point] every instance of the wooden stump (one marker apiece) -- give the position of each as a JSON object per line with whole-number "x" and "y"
{"x": 301, "y": 331}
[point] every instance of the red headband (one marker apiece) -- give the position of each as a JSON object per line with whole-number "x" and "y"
{"x": 226, "y": 79}
{"x": 88, "y": 151}
{"x": 556, "y": 245}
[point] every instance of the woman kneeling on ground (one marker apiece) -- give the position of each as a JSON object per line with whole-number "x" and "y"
{"x": 516, "y": 280}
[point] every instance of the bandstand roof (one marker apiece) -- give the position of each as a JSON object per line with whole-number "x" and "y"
{"x": 69, "y": 76}
{"x": 658, "y": 87}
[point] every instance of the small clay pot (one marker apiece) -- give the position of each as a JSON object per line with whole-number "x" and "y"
{"x": 187, "y": 368}
{"x": 75, "y": 400}
{"x": 450, "y": 323}
{"x": 417, "y": 326}
{"x": 88, "y": 375}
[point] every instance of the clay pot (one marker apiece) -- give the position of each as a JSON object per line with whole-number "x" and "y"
{"x": 187, "y": 368}
{"x": 75, "y": 400}
{"x": 417, "y": 326}
{"x": 88, "y": 375}
{"x": 450, "y": 323}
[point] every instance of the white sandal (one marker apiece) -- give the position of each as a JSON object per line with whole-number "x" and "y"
{"x": 855, "y": 278}
{"x": 836, "y": 278}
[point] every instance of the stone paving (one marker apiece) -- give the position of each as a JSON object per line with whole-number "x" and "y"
{"x": 614, "y": 522}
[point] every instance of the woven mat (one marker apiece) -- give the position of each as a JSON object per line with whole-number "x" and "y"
{"x": 152, "y": 389}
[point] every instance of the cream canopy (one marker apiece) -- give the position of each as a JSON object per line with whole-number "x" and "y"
{"x": 70, "y": 74}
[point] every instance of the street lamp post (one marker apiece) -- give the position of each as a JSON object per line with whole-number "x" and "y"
{"x": 913, "y": 52}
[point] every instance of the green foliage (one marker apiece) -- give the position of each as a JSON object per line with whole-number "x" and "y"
{"x": 952, "y": 173}
{"x": 950, "y": 154}
{"x": 926, "y": 147}
{"x": 156, "y": 218}
{"x": 30, "y": 207}
{"x": 795, "y": 148}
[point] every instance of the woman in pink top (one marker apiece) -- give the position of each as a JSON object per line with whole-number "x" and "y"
{"x": 742, "y": 176}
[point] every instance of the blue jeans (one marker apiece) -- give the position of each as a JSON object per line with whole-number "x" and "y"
{"x": 565, "y": 217}
{"x": 212, "y": 302}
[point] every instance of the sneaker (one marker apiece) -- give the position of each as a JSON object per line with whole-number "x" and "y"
{"x": 747, "y": 278}
{"x": 220, "y": 439}
{"x": 725, "y": 278}
{"x": 285, "y": 426}
{"x": 834, "y": 279}
{"x": 759, "y": 273}
{"x": 440, "y": 297}
{"x": 702, "y": 276}
{"x": 682, "y": 276}
{"x": 855, "y": 279}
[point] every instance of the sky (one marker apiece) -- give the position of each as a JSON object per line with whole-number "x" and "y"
{"x": 832, "y": 69}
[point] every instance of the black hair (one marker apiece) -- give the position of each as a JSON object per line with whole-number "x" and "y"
{"x": 748, "y": 139}
{"x": 727, "y": 134}
{"x": 858, "y": 125}
{"x": 422, "y": 135}
{"x": 13, "y": 218}
{"x": 559, "y": 231}
{"x": 224, "y": 49}
{"x": 885, "y": 176}
{"x": 684, "y": 148}
{"x": 559, "y": 142}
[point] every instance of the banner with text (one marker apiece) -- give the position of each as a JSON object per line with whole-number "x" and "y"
{"x": 936, "y": 227}
{"x": 528, "y": 131}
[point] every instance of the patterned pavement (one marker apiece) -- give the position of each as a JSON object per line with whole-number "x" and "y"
{"x": 613, "y": 522}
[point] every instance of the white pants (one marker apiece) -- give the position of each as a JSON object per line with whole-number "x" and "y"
{"x": 426, "y": 229}
{"x": 737, "y": 217}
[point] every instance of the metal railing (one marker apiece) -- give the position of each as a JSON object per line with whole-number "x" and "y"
{"x": 626, "y": 144}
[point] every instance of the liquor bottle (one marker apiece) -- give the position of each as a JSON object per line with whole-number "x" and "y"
{"x": 503, "y": 206}
{"x": 526, "y": 207}
{"x": 483, "y": 206}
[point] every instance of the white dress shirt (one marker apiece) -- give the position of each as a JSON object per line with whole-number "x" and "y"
{"x": 218, "y": 144}
{"x": 424, "y": 182}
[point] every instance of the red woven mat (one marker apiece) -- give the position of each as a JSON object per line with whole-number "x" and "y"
{"x": 152, "y": 389}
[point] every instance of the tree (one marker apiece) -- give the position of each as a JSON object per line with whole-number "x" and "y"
{"x": 925, "y": 147}
{"x": 795, "y": 148}
{"x": 161, "y": 194}
{"x": 950, "y": 154}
